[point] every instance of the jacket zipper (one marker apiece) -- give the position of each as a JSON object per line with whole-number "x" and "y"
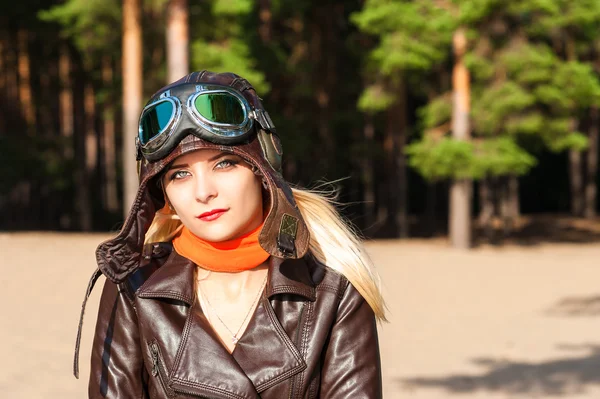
{"x": 158, "y": 369}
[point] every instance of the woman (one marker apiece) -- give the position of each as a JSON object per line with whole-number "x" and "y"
{"x": 225, "y": 282}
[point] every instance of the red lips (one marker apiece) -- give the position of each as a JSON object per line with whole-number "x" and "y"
{"x": 212, "y": 215}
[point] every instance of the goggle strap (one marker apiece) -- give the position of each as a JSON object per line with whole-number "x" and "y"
{"x": 241, "y": 84}
{"x": 264, "y": 119}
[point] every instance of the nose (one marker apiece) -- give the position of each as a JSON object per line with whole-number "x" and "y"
{"x": 205, "y": 188}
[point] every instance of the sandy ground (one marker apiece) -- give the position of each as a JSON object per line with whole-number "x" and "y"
{"x": 515, "y": 322}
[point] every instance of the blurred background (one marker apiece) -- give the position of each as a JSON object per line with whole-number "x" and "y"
{"x": 445, "y": 125}
{"x": 439, "y": 116}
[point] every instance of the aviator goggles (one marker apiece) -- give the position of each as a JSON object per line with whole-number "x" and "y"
{"x": 219, "y": 114}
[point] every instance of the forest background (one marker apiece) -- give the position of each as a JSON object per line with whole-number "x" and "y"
{"x": 432, "y": 116}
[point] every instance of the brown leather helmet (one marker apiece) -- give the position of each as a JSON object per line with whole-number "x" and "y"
{"x": 284, "y": 233}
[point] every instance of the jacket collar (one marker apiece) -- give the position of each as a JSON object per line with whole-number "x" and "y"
{"x": 175, "y": 279}
{"x": 200, "y": 364}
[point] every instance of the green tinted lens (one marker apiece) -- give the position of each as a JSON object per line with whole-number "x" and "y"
{"x": 220, "y": 108}
{"x": 155, "y": 120}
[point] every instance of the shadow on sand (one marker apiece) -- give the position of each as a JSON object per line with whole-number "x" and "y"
{"x": 560, "y": 377}
{"x": 532, "y": 230}
{"x": 582, "y": 306}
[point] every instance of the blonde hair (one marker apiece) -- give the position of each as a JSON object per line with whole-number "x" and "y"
{"x": 333, "y": 242}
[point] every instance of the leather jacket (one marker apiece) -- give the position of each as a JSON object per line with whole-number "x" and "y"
{"x": 312, "y": 336}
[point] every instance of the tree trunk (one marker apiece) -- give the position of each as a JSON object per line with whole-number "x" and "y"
{"x": 320, "y": 28}
{"x": 576, "y": 182}
{"x": 109, "y": 150}
{"x": 486, "y": 207}
{"x": 12, "y": 70}
{"x": 177, "y": 39}
{"x": 3, "y": 88}
{"x": 391, "y": 186}
{"x": 575, "y": 158}
{"x": 505, "y": 206}
{"x": 400, "y": 142}
{"x": 367, "y": 174}
{"x": 460, "y": 191}
{"x": 592, "y": 165}
{"x": 132, "y": 95}
{"x": 25, "y": 98}
{"x": 514, "y": 207}
{"x": 66, "y": 101}
{"x": 430, "y": 217}
{"x": 265, "y": 15}
{"x": 87, "y": 159}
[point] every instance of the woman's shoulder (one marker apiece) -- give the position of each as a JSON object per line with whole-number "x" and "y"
{"x": 154, "y": 256}
{"x": 325, "y": 278}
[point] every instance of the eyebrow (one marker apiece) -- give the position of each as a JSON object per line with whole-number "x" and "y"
{"x": 185, "y": 165}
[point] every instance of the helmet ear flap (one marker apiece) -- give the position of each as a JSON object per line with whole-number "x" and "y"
{"x": 271, "y": 148}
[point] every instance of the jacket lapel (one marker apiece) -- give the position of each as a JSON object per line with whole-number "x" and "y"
{"x": 265, "y": 352}
{"x": 204, "y": 367}
{"x": 264, "y": 356}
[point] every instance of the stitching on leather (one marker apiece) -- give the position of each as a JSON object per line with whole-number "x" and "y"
{"x": 142, "y": 289}
{"x": 208, "y": 387}
{"x": 312, "y": 389}
{"x": 282, "y": 376}
{"x": 304, "y": 344}
{"x": 331, "y": 288}
{"x": 291, "y": 289}
{"x": 171, "y": 295}
{"x": 184, "y": 337}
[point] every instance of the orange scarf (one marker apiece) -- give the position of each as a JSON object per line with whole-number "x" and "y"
{"x": 239, "y": 254}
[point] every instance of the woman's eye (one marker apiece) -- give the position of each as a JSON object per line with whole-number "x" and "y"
{"x": 180, "y": 174}
{"x": 225, "y": 163}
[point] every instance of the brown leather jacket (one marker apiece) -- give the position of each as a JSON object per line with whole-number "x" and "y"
{"x": 312, "y": 336}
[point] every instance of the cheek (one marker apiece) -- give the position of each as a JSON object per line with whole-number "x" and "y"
{"x": 177, "y": 196}
{"x": 248, "y": 190}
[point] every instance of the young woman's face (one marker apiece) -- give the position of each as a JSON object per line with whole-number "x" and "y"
{"x": 216, "y": 194}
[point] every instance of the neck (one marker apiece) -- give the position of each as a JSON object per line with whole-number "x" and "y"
{"x": 233, "y": 256}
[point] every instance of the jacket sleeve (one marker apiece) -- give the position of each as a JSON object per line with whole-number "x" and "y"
{"x": 117, "y": 369}
{"x": 351, "y": 365}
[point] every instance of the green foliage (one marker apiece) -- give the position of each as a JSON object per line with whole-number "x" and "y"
{"x": 92, "y": 24}
{"x": 502, "y": 157}
{"x": 231, "y": 56}
{"x": 220, "y": 43}
{"x": 528, "y": 64}
{"x": 375, "y": 98}
{"x": 443, "y": 159}
{"x": 496, "y": 104}
{"x": 555, "y": 17}
{"x": 579, "y": 83}
{"x": 232, "y": 7}
{"x": 528, "y": 123}
{"x": 473, "y": 12}
{"x": 413, "y": 37}
{"x": 453, "y": 159}
{"x": 436, "y": 112}
{"x": 481, "y": 68}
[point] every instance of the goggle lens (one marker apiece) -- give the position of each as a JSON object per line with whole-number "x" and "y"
{"x": 155, "y": 120}
{"x": 220, "y": 108}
